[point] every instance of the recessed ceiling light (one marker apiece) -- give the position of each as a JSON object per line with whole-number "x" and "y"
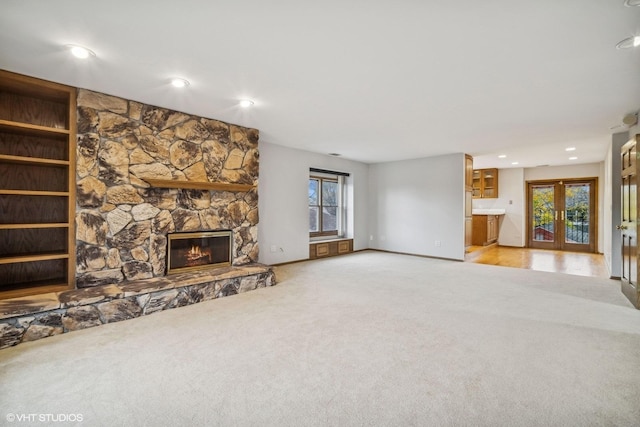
{"x": 573, "y": 158}
{"x": 629, "y": 43}
{"x": 502, "y": 156}
{"x": 630, "y": 3}
{"x": 246, "y": 103}
{"x": 80, "y": 51}
{"x": 514, "y": 163}
{"x": 570, "y": 149}
{"x": 179, "y": 82}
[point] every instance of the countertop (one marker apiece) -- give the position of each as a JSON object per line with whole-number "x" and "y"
{"x": 488, "y": 212}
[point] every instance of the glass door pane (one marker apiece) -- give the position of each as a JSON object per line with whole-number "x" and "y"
{"x": 576, "y": 222}
{"x": 543, "y": 199}
{"x": 476, "y": 184}
{"x": 489, "y": 179}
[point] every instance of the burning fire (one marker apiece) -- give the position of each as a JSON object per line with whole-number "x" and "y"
{"x": 196, "y": 256}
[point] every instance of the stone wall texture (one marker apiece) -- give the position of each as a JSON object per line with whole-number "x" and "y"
{"x": 121, "y": 221}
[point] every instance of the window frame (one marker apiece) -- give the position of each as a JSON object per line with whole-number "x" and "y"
{"x": 321, "y": 205}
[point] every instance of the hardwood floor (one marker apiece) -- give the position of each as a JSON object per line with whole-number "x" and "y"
{"x": 578, "y": 263}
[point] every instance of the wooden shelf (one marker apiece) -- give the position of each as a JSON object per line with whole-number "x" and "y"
{"x": 29, "y": 128}
{"x": 195, "y": 185}
{"x": 33, "y": 257}
{"x": 33, "y": 160}
{"x": 37, "y": 225}
{"x": 33, "y": 288}
{"x": 33, "y": 193}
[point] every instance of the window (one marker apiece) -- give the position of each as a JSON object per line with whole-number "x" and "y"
{"x": 325, "y": 204}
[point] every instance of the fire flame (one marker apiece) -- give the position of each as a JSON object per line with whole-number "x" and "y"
{"x": 197, "y": 256}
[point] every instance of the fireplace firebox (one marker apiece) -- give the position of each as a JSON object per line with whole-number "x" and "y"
{"x": 198, "y": 250}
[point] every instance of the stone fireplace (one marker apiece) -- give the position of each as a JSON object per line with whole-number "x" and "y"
{"x": 198, "y": 250}
{"x": 148, "y": 178}
{"x": 128, "y": 157}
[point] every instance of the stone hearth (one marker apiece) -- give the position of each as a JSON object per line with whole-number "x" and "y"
{"x": 40, "y": 316}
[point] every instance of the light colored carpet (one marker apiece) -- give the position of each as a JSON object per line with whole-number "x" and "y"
{"x": 369, "y": 339}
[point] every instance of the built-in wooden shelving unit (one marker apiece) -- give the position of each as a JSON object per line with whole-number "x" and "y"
{"x": 37, "y": 185}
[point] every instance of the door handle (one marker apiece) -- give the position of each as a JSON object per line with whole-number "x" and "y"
{"x": 621, "y": 227}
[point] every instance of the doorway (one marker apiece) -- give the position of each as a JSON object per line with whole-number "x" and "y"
{"x": 562, "y": 215}
{"x": 629, "y": 221}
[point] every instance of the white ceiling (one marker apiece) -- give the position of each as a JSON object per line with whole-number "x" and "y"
{"x": 373, "y": 80}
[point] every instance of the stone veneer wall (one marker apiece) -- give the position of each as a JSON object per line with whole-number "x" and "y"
{"x": 121, "y": 222}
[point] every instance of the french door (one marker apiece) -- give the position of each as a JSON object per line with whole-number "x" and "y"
{"x": 562, "y": 214}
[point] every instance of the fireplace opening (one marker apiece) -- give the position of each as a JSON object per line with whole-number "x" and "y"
{"x": 197, "y": 250}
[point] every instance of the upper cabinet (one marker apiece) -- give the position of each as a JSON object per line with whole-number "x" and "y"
{"x": 468, "y": 172}
{"x": 485, "y": 183}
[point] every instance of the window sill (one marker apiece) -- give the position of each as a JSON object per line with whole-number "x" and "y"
{"x": 323, "y": 239}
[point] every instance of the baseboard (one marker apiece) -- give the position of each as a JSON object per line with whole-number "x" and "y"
{"x": 314, "y": 259}
{"x": 418, "y": 255}
{"x": 289, "y": 262}
{"x": 364, "y": 250}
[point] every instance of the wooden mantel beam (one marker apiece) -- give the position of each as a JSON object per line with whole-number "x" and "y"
{"x": 196, "y": 185}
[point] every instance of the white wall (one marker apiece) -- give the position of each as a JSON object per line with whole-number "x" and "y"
{"x": 612, "y": 237}
{"x": 608, "y": 208}
{"x": 511, "y": 190}
{"x": 284, "y": 204}
{"x": 415, "y": 203}
{"x": 405, "y": 206}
